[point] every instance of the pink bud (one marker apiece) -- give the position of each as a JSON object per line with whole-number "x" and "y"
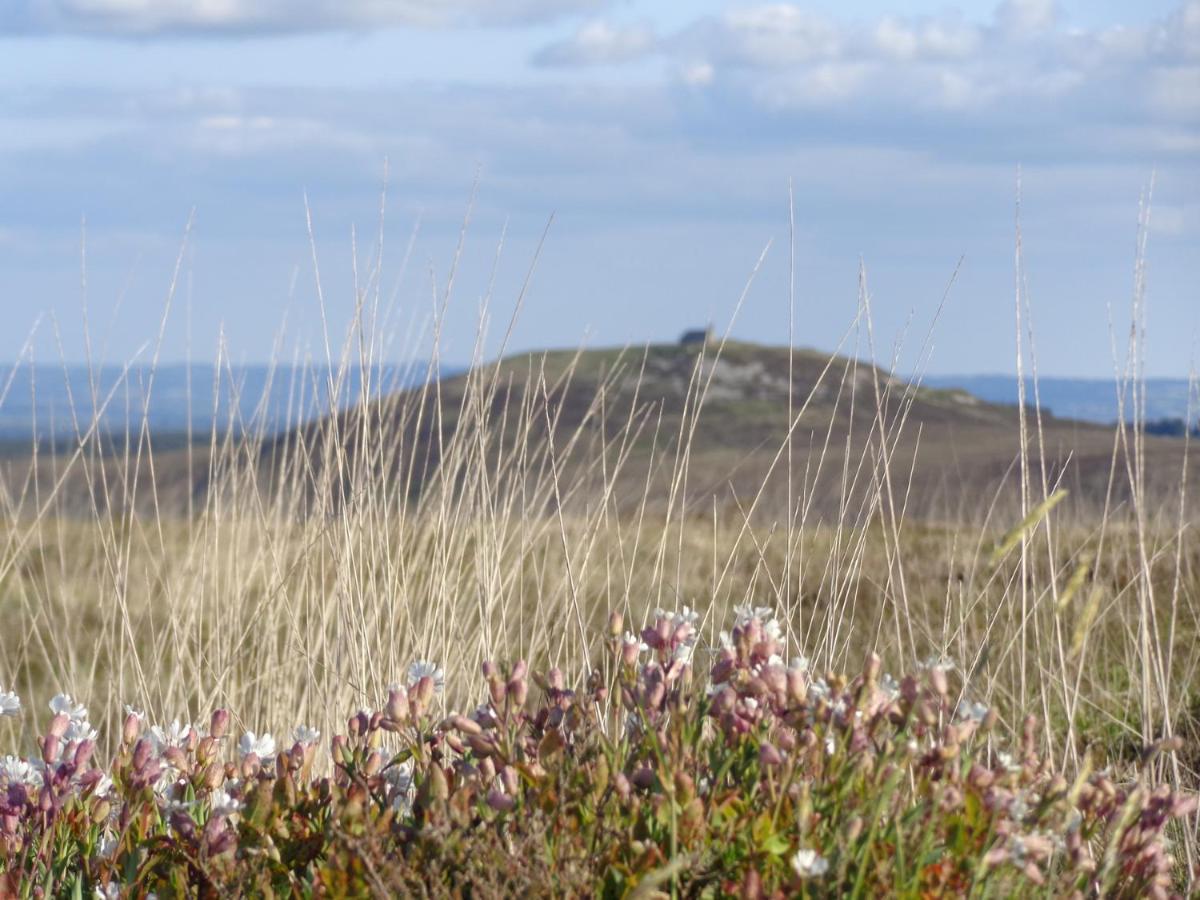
{"x": 629, "y": 653}
{"x": 497, "y": 692}
{"x": 425, "y": 690}
{"x": 129, "y": 731}
{"x": 397, "y": 705}
{"x": 615, "y": 622}
{"x": 49, "y": 749}
{"x": 142, "y": 753}
{"x": 58, "y": 725}
{"x": 83, "y": 753}
{"x": 520, "y": 670}
{"x": 510, "y": 779}
{"x": 463, "y": 725}
{"x": 500, "y": 801}
{"x": 219, "y": 724}
{"x": 769, "y": 755}
{"x": 555, "y": 679}
{"x": 518, "y": 691}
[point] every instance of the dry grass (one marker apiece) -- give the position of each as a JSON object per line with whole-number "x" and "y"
{"x": 292, "y": 580}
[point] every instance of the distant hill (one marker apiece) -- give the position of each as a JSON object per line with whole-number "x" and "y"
{"x": 47, "y": 400}
{"x": 1086, "y": 399}
{"x": 675, "y": 424}
{"x": 949, "y": 452}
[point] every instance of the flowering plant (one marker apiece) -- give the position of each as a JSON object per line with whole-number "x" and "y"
{"x": 762, "y": 779}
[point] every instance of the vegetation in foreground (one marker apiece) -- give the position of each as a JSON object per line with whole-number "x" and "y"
{"x": 758, "y": 779}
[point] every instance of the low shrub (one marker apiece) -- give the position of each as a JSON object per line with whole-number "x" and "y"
{"x": 762, "y": 779}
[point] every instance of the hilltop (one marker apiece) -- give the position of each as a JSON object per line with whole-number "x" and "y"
{"x": 711, "y": 425}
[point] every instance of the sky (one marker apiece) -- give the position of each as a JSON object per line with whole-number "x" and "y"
{"x": 160, "y": 162}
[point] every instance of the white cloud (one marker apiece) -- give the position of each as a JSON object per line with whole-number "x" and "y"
{"x": 929, "y": 39}
{"x": 1027, "y": 18}
{"x": 599, "y": 43}
{"x": 152, "y": 17}
{"x": 779, "y": 34}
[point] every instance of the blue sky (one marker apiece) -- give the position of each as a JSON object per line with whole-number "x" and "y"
{"x": 661, "y": 136}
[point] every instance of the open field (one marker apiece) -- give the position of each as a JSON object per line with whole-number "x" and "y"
{"x": 506, "y": 513}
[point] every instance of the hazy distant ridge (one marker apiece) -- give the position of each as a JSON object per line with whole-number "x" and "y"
{"x": 252, "y": 396}
{"x": 40, "y": 399}
{"x": 1087, "y": 399}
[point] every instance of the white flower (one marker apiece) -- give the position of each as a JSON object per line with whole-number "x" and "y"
{"x": 305, "y": 735}
{"x": 686, "y": 616}
{"x": 110, "y": 891}
{"x": 809, "y": 863}
{"x": 62, "y": 703}
{"x": 136, "y": 713}
{"x": 889, "y": 687}
{"x": 746, "y": 613}
{"x": 725, "y": 640}
{"x": 1007, "y": 762}
{"x": 167, "y": 786}
{"x": 10, "y": 704}
{"x": 400, "y": 780}
{"x": 174, "y": 735}
{"x": 79, "y": 730}
{"x": 799, "y": 664}
{"x": 683, "y": 653}
{"x": 971, "y": 711}
{"x": 421, "y": 668}
{"x": 262, "y": 746}
{"x": 19, "y": 771}
{"x": 830, "y": 746}
{"x": 938, "y": 661}
{"x": 631, "y": 638}
{"x": 222, "y": 804}
{"x": 106, "y": 845}
{"x": 103, "y": 786}
{"x": 818, "y": 689}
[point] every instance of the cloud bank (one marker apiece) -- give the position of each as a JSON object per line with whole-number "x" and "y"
{"x": 148, "y": 18}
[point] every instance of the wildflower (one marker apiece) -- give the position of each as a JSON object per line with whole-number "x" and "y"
{"x": 1007, "y": 762}
{"x": 631, "y": 638}
{"x": 110, "y": 891}
{"x": 400, "y": 780}
{"x": 686, "y": 616}
{"x": 938, "y": 661}
{"x": 819, "y": 689}
{"x": 830, "y": 746}
{"x": 222, "y": 804}
{"x": 683, "y": 653}
{"x": 18, "y": 771}
{"x": 10, "y": 704}
{"x": 136, "y": 713}
{"x": 262, "y": 746}
{"x": 809, "y": 863}
{"x": 422, "y": 668}
{"x": 745, "y": 614}
{"x": 103, "y": 785}
{"x": 62, "y": 703}
{"x": 174, "y": 735}
{"x": 889, "y": 687}
{"x": 79, "y": 730}
{"x": 303, "y": 734}
{"x": 971, "y": 711}
{"x": 106, "y": 845}
{"x": 799, "y": 664}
